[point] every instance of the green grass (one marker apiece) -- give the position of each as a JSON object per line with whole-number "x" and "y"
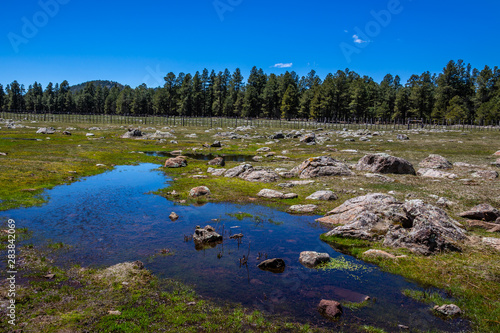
{"x": 424, "y": 296}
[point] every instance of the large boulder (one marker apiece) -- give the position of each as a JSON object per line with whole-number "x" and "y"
{"x": 483, "y": 212}
{"x": 320, "y": 167}
{"x": 175, "y": 162}
{"x": 261, "y": 176}
{"x": 384, "y": 163}
{"x": 422, "y": 228}
{"x": 330, "y": 309}
{"x": 434, "y": 161}
{"x": 431, "y": 230}
{"x": 313, "y": 259}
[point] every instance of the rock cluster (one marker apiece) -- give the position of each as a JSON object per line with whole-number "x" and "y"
{"x": 420, "y": 227}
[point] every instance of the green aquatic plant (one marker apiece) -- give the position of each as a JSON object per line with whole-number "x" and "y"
{"x": 344, "y": 265}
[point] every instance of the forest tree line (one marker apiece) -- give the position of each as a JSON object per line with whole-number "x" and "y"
{"x": 459, "y": 93}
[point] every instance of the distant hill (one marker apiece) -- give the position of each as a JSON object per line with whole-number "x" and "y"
{"x": 102, "y": 83}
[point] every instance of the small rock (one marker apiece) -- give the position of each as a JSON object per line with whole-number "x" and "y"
{"x": 497, "y": 153}
{"x": 66, "y": 133}
{"x": 402, "y": 137}
{"x": 308, "y": 138}
{"x": 270, "y": 194}
{"x": 216, "y": 144}
{"x": 173, "y": 216}
{"x": 199, "y": 191}
{"x": 237, "y": 236}
{"x": 219, "y": 161}
{"x": 3, "y": 154}
{"x": 46, "y": 130}
{"x": 175, "y": 162}
{"x": 434, "y": 161}
{"x": 323, "y": 195}
{"x": 50, "y": 276}
{"x": 89, "y": 134}
{"x": 380, "y": 177}
{"x": 330, "y": 309}
{"x": 303, "y": 208}
{"x": 492, "y": 242}
{"x": 485, "y": 174}
{"x": 290, "y": 196}
{"x": 448, "y": 309}
{"x": 379, "y": 254}
{"x": 443, "y": 202}
{"x": 433, "y": 173}
{"x": 264, "y": 150}
{"x": 483, "y": 212}
{"x": 312, "y": 259}
{"x": 114, "y": 313}
{"x": 275, "y": 265}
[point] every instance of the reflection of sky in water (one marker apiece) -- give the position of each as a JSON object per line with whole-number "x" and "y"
{"x": 110, "y": 218}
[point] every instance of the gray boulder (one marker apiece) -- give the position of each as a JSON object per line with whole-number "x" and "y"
{"x": 260, "y": 176}
{"x": 434, "y": 173}
{"x": 384, "y": 163}
{"x": 323, "y": 195}
{"x": 46, "y": 130}
{"x": 270, "y": 194}
{"x": 434, "y": 161}
{"x": 419, "y": 227}
{"x": 313, "y": 259}
{"x": 132, "y": 133}
{"x": 485, "y": 174}
{"x": 302, "y": 208}
{"x": 321, "y": 167}
{"x": 236, "y": 171}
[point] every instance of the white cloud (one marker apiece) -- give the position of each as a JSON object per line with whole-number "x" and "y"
{"x": 346, "y": 31}
{"x": 358, "y": 40}
{"x": 282, "y": 65}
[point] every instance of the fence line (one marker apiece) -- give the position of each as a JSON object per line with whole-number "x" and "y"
{"x": 224, "y": 122}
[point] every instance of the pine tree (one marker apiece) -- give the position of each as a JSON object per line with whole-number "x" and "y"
{"x": 289, "y": 105}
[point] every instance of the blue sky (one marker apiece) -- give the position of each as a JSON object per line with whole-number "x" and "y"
{"x": 139, "y": 41}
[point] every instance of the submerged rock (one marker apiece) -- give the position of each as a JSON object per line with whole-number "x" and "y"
{"x": 321, "y": 167}
{"x": 434, "y": 161}
{"x": 330, "y": 309}
{"x": 275, "y": 265}
{"x": 384, "y": 163}
{"x": 313, "y": 259}
{"x": 173, "y": 216}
